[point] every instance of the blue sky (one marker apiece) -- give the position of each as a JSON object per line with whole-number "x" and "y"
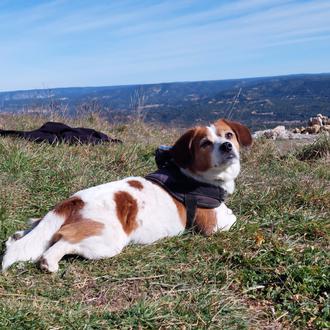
{"x": 48, "y": 44}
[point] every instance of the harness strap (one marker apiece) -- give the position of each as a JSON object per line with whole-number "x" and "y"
{"x": 190, "y": 202}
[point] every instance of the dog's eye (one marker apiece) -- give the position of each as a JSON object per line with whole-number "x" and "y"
{"x": 206, "y": 143}
{"x": 229, "y": 135}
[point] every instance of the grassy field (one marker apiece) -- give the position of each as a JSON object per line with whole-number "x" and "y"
{"x": 271, "y": 271}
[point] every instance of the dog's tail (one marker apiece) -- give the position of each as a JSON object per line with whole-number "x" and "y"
{"x": 34, "y": 243}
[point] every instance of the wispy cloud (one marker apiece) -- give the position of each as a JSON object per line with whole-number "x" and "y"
{"x": 115, "y": 42}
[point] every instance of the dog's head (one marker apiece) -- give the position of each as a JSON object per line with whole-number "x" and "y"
{"x": 211, "y": 153}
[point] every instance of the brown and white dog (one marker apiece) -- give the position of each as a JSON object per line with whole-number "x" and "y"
{"x": 99, "y": 222}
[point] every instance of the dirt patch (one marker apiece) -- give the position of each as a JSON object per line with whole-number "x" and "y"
{"x": 286, "y": 146}
{"x": 112, "y": 296}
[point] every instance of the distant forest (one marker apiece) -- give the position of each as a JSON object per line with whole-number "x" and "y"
{"x": 258, "y": 102}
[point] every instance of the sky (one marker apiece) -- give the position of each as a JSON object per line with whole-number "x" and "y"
{"x": 66, "y": 43}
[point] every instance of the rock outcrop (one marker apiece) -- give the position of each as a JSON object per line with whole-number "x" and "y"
{"x": 279, "y": 133}
{"x": 319, "y": 120}
{"x": 315, "y": 125}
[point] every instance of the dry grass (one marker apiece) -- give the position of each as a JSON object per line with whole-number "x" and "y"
{"x": 318, "y": 149}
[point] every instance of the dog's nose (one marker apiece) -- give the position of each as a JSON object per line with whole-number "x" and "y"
{"x": 227, "y": 147}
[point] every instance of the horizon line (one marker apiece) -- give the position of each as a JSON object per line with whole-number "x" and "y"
{"x": 164, "y": 82}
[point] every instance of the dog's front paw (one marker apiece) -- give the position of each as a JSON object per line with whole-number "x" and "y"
{"x": 225, "y": 218}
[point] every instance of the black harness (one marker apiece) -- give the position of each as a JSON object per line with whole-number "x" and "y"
{"x": 186, "y": 190}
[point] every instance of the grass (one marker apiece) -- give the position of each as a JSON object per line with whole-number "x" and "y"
{"x": 319, "y": 149}
{"x": 271, "y": 271}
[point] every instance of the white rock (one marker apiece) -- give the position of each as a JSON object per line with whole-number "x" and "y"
{"x": 315, "y": 121}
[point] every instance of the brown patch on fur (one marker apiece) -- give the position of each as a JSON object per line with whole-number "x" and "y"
{"x": 70, "y": 209}
{"x": 127, "y": 209}
{"x": 75, "y": 233}
{"x": 187, "y": 152}
{"x": 241, "y": 132}
{"x": 75, "y": 228}
{"x": 205, "y": 221}
{"x": 222, "y": 128}
{"x": 181, "y": 210}
{"x": 202, "y": 156}
{"x": 135, "y": 184}
{"x": 181, "y": 150}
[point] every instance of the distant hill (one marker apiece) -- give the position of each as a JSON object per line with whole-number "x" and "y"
{"x": 259, "y": 102}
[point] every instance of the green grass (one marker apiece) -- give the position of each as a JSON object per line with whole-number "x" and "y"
{"x": 271, "y": 271}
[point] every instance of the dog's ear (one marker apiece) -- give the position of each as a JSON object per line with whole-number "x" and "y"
{"x": 242, "y": 132}
{"x": 182, "y": 151}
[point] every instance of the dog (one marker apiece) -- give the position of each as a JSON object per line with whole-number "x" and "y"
{"x": 99, "y": 222}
